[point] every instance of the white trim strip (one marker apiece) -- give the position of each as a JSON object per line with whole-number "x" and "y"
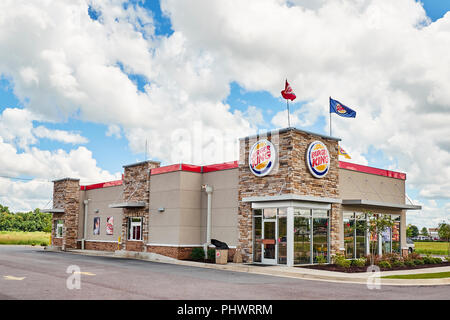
{"x": 287, "y": 204}
{"x": 99, "y": 241}
{"x": 292, "y": 197}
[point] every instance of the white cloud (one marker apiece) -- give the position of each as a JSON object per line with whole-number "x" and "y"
{"x": 383, "y": 58}
{"x": 113, "y": 130}
{"x": 20, "y": 158}
{"x": 59, "y": 135}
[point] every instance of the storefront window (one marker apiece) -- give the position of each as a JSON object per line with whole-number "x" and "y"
{"x": 257, "y": 235}
{"x": 282, "y": 236}
{"x": 349, "y": 235}
{"x": 386, "y": 238}
{"x": 320, "y": 234}
{"x": 302, "y": 237}
{"x": 360, "y": 235}
{"x": 396, "y": 234}
{"x": 310, "y": 235}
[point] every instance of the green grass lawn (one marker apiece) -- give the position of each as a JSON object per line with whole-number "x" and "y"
{"x": 19, "y": 237}
{"x": 436, "y": 275}
{"x": 440, "y": 248}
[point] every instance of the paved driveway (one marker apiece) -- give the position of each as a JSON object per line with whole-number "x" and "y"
{"x": 31, "y": 273}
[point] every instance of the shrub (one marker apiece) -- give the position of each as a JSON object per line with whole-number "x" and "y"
{"x": 409, "y": 263}
{"x": 340, "y": 261}
{"x": 375, "y": 258}
{"x": 437, "y": 260}
{"x": 418, "y": 262}
{"x": 398, "y": 263}
{"x": 392, "y": 257}
{"x": 212, "y": 255}
{"x": 197, "y": 254}
{"x": 447, "y": 258}
{"x": 384, "y": 264}
{"x": 33, "y": 244}
{"x": 44, "y": 244}
{"x": 414, "y": 256}
{"x": 428, "y": 260}
{"x": 359, "y": 262}
{"x": 321, "y": 259}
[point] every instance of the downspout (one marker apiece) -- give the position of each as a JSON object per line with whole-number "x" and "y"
{"x": 85, "y": 223}
{"x": 209, "y": 191}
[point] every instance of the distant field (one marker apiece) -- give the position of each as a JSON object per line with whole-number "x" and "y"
{"x": 18, "y": 237}
{"x": 440, "y": 248}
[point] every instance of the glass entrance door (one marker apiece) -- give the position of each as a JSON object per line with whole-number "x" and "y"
{"x": 269, "y": 242}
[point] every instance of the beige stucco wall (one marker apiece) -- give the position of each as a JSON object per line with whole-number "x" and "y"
{"x": 101, "y": 199}
{"x": 366, "y": 186}
{"x": 183, "y": 221}
{"x": 179, "y": 193}
{"x": 224, "y": 202}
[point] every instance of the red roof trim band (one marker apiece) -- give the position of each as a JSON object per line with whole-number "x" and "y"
{"x": 235, "y": 164}
{"x": 101, "y": 185}
{"x": 372, "y": 170}
{"x": 220, "y": 166}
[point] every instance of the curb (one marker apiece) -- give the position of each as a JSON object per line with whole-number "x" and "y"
{"x": 360, "y": 279}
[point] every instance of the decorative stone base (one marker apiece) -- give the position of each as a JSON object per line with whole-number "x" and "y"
{"x": 180, "y": 253}
{"x": 135, "y": 246}
{"x": 101, "y": 246}
{"x": 57, "y": 242}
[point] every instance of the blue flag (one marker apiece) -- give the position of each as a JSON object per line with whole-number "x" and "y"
{"x": 340, "y": 109}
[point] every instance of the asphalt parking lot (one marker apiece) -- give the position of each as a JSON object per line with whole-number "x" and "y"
{"x": 31, "y": 273}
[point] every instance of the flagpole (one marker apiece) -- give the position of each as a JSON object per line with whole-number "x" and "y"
{"x": 330, "y": 124}
{"x": 289, "y": 120}
{"x": 330, "y": 119}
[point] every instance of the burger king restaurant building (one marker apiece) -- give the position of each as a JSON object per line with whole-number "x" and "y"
{"x": 288, "y": 200}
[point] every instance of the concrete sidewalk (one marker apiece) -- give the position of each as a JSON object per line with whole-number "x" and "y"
{"x": 283, "y": 271}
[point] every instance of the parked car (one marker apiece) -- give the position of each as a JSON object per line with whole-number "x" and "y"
{"x": 410, "y": 245}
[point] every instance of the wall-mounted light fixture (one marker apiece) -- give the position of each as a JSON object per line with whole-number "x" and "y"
{"x": 97, "y": 210}
{"x": 161, "y": 209}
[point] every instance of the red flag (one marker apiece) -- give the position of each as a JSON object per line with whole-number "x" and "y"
{"x": 287, "y": 93}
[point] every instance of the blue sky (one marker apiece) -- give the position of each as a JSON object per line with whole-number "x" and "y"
{"x": 241, "y": 92}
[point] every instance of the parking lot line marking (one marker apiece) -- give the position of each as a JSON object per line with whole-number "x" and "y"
{"x": 13, "y": 278}
{"x": 85, "y": 273}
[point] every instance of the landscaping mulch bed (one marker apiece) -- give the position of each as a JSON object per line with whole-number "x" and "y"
{"x": 353, "y": 269}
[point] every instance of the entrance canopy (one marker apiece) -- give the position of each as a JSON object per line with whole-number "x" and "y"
{"x": 376, "y": 204}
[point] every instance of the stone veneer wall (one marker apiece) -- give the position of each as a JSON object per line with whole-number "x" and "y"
{"x": 66, "y": 195}
{"x": 136, "y": 187}
{"x": 290, "y": 176}
{"x": 103, "y": 246}
{"x": 181, "y": 253}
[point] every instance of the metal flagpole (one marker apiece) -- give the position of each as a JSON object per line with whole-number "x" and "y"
{"x": 330, "y": 124}
{"x": 330, "y": 118}
{"x": 289, "y": 121}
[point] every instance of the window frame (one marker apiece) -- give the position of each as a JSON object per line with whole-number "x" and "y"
{"x": 132, "y": 224}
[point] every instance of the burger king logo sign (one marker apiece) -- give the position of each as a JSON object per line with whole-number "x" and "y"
{"x": 262, "y": 157}
{"x": 318, "y": 159}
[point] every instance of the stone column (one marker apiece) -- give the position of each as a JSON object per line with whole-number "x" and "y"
{"x": 335, "y": 230}
{"x": 66, "y": 195}
{"x": 136, "y": 187}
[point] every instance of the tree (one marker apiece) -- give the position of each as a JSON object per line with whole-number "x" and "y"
{"x": 424, "y": 232}
{"x": 444, "y": 233}
{"x": 375, "y": 225}
{"x": 412, "y": 231}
